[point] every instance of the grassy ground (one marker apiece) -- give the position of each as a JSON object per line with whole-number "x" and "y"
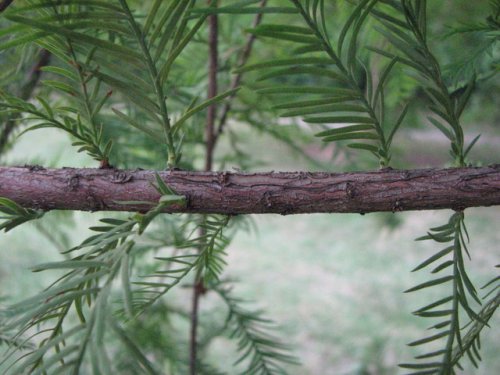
{"x": 335, "y": 283}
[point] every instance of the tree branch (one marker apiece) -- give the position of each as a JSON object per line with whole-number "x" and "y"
{"x": 235, "y": 82}
{"x": 212, "y": 87}
{"x": 5, "y": 4}
{"x": 254, "y": 193}
{"x": 26, "y": 91}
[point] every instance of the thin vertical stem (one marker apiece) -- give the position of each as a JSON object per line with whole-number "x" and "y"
{"x": 212, "y": 88}
{"x": 199, "y": 288}
{"x": 235, "y": 82}
{"x": 4, "y": 4}
{"x": 31, "y": 82}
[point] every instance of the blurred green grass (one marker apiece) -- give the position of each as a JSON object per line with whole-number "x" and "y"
{"x": 335, "y": 284}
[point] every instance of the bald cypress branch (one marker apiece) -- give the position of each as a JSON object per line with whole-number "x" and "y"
{"x": 253, "y": 193}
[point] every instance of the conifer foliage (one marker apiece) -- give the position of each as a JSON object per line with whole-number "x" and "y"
{"x": 127, "y": 83}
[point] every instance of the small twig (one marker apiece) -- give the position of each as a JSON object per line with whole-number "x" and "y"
{"x": 4, "y": 4}
{"x": 235, "y": 82}
{"x": 198, "y": 290}
{"x": 213, "y": 56}
{"x": 32, "y": 79}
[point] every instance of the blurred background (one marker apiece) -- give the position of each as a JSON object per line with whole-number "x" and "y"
{"x": 332, "y": 283}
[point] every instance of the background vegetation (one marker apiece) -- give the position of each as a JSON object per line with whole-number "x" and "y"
{"x": 333, "y": 283}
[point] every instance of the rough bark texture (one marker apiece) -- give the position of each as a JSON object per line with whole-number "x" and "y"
{"x": 247, "y": 193}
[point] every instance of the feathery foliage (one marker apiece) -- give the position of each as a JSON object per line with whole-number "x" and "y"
{"x": 447, "y": 309}
{"x": 125, "y": 75}
{"x": 482, "y": 61}
{"x": 104, "y": 48}
{"x": 14, "y": 214}
{"x": 341, "y": 96}
{"x": 263, "y": 353}
{"x": 408, "y": 35}
{"x": 340, "y": 90}
{"x": 86, "y": 287}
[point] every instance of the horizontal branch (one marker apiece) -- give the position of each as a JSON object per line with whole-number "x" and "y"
{"x": 251, "y": 193}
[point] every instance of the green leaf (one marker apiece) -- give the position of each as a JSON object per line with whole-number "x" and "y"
{"x": 309, "y": 48}
{"x": 175, "y": 52}
{"x": 172, "y": 22}
{"x": 403, "y": 60}
{"x": 153, "y": 133}
{"x": 289, "y": 90}
{"x": 430, "y": 283}
{"x": 420, "y": 366}
{"x": 61, "y": 86}
{"x": 390, "y": 19}
{"x": 430, "y": 338}
{"x": 299, "y": 61}
{"x": 363, "y": 146}
{"x": 127, "y": 54}
{"x": 352, "y": 17}
{"x": 292, "y": 37}
{"x": 133, "y": 92}
{"x": 168, "y": 200}
{"x": 442, "y": 266}
{"x": 53, "y": 292}
{"x": 433, "y": 258}
{"x": 283, "y": 29}
{"x": 161, "y": 186}
{"x": 324, "y": 109}
{"x": 406, "y": 45}
{"x": 442, "y": 128}
{"x": 435, "y": 313}
{"x": 61, "y": 72}
{"x": 125, "y": 279}
{"x": 163, "y": 19}
{"x": 464, "y": 97}
{"x": 383, "y": 79}
{"x": 314, "y": 71}
{"x": 339, "y": 120}
{"x": 16, "y": 214}
{"x": 153, "y": 12}
{"x": 134, "y": 350}
{"x": 70, "y": 264}
{"x": 440, "y": 302}
{"x": 471, "y": 144}
{"x": 52, "y": 360}
{"x": 244, "y": 10}
{"x": 191, "y": 112}
{"x": 313, "y": 103}
{"x": 345, "y": 129}
{"x": 49, "y": 4}
{"x": 349, "y": 136}
{"x": 397, "y": 125}
{"x": 352, "y": 52}
{"x": 256, "y": 341}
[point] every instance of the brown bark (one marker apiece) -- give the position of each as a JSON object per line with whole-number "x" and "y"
{"x": 5, "y": 4}
{"x": 254, "y": 193}
{"x": 26, "y": 91}
{"x": 235, "y": 82}
{"x": 212, "y": 88}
